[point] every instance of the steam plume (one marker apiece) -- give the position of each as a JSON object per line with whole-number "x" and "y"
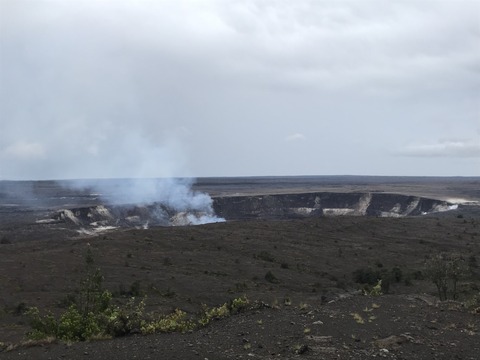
{"x": 174, "y": 194}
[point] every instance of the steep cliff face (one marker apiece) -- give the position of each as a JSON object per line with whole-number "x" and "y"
{"x": 325, "y": 204}
{"x": 282, "y": 206}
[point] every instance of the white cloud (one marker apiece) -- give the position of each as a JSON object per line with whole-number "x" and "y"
{"x": 23, "y": 150}
{"x": 295, "y": 137}
{"x": 444, "y": 148}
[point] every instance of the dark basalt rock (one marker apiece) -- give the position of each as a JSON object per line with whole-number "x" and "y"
{"x": 325, "y": 204}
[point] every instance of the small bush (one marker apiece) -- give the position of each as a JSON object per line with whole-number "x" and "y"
{"x": 174, "y": 322}
{"x": 72, "y": 325}
{"x": 366, "y": 276}
{"x": 239, "y": 304}
{"x": 127, "y": 319}
{"x": 370, "y": 277}
{"x": 215, "y": 313}
{"x": 265, "y": 256}
{"x": 445, "y": 270}
{"x": 5, "y": 241}
{"x": 271, "y": 278}
{"x": 472, "y": 262}
{"x": 67, "y": 301}
{"x": 235, "y": 306}
{"x": 397, "y": 274}
{"x": 42, "y": 326}
{"x": 377, "y": 289}
{"x": 407, "y": 281}
{"x": 418, "y": 275}
{"x": 135, "y": 289}
{"x": 20, "y": 309}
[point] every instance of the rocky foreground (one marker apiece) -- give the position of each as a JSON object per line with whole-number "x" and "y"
{"x": 356, "y": 327}
{"x": 304, "y": 272}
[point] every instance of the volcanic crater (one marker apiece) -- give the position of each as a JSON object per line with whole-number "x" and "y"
{"x": 298, "y": 247}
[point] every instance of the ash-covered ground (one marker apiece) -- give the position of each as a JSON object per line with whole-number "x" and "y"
{"x": 296, "y": 245}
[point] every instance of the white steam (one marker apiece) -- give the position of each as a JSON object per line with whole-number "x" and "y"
{"x": 173, "y": 194}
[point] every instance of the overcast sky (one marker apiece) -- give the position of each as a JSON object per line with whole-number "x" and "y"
{"x": 123, "y": 88}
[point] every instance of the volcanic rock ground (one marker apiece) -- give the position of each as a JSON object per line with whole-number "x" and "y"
{"x": 310, "y": 311}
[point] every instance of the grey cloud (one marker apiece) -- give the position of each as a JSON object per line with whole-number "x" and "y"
{"x": 171, "y": 88}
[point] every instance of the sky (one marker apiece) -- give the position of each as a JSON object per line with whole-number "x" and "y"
{"x": 122, "y": 88}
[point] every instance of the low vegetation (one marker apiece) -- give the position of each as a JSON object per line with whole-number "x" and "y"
{"x": 379, "y": 276}
{"x": 445, "y": 271}
{"x": 94, "y": 316}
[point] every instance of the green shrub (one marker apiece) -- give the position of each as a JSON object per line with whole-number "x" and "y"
{"x": 68, "y": 300}
{"x": 235, "y": 306}
{"x": 135, "y": 289}
{"x": 444, "y": 270}
{"x": 366, "y": 276}
{"x": 371, "y": 277}
{"x": 397, "y": 274}
{"x": 42, "y": 326}
{"x": 20, "y": 309}
{"x": 72, "y": 325}
{"x": 266, "y": 256}
{"x": 271, "y": 278}
{"x": 127, "y": 319}
{"x": 239, "y": 304}
{"x": 214, "y": 313}
{"x": 88, "y": 317}
{"x": 377, "y": 289}
{"x": 174, "y": 322}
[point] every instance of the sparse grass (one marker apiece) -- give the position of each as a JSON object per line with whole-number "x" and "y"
{"x": 275, "y": 304}
{"x": 303, "y": 306}
{"x": 358, "y": 318}
{"x": 300, "y": 349}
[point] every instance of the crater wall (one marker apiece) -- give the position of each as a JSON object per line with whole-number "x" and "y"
{"x": 325, "y": 204}
{"x": 280, "y": 206}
